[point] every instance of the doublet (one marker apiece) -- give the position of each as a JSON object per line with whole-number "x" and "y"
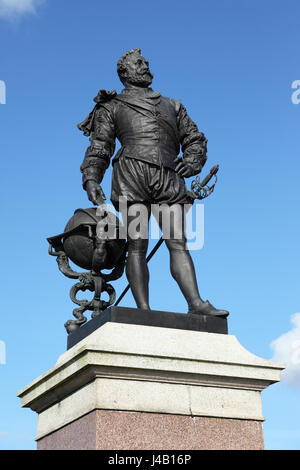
{"x": 150, "y": 128}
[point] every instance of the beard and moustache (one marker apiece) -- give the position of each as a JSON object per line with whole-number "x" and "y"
{"x": 140, "y": 79}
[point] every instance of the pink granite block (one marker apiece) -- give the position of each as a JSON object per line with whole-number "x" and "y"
{"x": 80, "y": 434}
{"x": 122, "y": 430}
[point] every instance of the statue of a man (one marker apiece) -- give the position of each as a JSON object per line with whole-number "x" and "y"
{"x": 146, "y": 170}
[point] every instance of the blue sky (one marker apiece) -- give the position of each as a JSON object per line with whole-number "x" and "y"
{"x": 232, "y": 63}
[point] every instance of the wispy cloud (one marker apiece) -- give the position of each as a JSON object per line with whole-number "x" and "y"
{"x": 287, "y": 349}
{"x": 14, "y": 9}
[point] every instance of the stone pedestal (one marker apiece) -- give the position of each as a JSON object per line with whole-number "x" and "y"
{"x": 127, "y": 386}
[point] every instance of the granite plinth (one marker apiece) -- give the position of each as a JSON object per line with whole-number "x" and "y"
{"x": 119, "y": 430}
{"x": 161, "y": 319}
{"x": 152, "y": 381}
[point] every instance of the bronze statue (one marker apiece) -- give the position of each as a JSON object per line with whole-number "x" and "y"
{"x": 146, "y": 170}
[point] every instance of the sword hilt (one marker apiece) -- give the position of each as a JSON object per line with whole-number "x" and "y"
{"x": 199, "y": 189}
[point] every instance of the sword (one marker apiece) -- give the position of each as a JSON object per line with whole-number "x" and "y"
{"x": 199, "y": 190}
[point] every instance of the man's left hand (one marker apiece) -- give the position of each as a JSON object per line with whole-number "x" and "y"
{"x": 183, "y": 168}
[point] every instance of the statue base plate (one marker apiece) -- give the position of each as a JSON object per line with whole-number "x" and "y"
{"x": 136, "y": 316}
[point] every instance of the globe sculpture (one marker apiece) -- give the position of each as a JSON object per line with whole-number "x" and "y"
{"x": 92, "y": 240}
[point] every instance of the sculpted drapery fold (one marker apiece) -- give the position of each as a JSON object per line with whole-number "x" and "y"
{"x": 102, "y": 146}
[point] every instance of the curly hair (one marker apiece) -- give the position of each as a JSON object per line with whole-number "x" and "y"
{"x": 121, "y": 66}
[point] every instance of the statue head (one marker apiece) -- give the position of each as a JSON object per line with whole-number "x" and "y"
{"x": 133, "y": 69}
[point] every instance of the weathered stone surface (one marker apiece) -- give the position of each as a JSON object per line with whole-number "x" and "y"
{"x": 150, "y": 370}
{"x": 119, "y": 430}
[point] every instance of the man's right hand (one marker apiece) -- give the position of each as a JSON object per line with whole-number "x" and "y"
{"x": 95, "y": 193}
